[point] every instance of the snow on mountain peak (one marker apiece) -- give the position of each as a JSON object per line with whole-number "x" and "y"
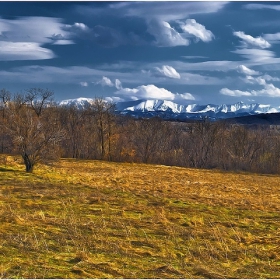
{"x": 155, "y": 106}
{"x": 79, "y": 103}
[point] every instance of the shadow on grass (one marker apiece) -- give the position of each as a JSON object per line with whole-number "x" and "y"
{"x": 2, "y": 169}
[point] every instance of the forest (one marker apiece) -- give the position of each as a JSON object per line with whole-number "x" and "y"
{"x": 34, "y": 126}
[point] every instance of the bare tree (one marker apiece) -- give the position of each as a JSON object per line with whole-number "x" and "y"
{"x": 38, "y": 99}
{"x": 202, "y": 136}
{"x": 35, "y": 136}
{"x": 73, "y": 121}
{"x": 103, "y": 114}
{"x": 5, "y": 97}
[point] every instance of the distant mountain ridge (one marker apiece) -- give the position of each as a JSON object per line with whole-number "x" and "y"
{"x": 170, "y": 110}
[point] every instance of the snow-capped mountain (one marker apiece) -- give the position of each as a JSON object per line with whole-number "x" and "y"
{"x": 79, "y": 103}
{"x": 170, "y": 110}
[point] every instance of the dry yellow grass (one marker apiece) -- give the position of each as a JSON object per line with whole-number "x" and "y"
{"x": 93, "y": 219}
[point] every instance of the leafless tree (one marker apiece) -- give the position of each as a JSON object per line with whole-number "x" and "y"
{"x": 103, "y": 118}
{"x": 35, "y": 136}
{"x": 38, "y": 99}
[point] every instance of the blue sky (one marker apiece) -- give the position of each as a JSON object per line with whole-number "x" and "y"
{"x": 187, "y": 52}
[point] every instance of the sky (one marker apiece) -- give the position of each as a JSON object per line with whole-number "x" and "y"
{"x": 187, "y": 52}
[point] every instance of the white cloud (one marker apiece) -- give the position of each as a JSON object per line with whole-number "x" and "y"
{"x": 22, "y": 38}
{"x": 114, "y": 99}
{"x": 198, "y": 30}
{"x": 273, "y": 38}
{"x": 193, "y": 56}
{"x": 257, "y": 55}
{"x": 105, "y": 82}
{"x": 10, "y": 51}
{"x": 245, "y": 70}
{"x": 269, "y": 90}
{"x": 254, "y": 80}
{"x": 118, "y": 84}
{"x": 165, "y": 35}
{"x": 32, "y": 29}
{"x": 262, "y": 6}
{"x": 185, "y": 96}
{"x": 166, "y": 10}
{"x": 249, "y": 40}
{"x": 226, "y": 91}
{"x": 167, "y": 71}
{"x": 63, "y": 42}
{"x": 77, "y": 26}
{"x": 145, "y": 92}
{"x": 151, "y": 92}
{"x": 261, "y": 80}
{"x": 270, "y": 78}
{"x": 84, "y": 84}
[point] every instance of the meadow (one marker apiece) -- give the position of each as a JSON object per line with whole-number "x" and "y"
{"x": 98, "y": 219}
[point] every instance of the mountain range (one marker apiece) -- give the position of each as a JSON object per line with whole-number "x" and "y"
{"x": 170, "y": 110}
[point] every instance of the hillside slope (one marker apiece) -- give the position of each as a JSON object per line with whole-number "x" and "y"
{"x": 94, "y": 219}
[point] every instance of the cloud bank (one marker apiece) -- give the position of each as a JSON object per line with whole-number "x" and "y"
{"x": 268, "y": 89}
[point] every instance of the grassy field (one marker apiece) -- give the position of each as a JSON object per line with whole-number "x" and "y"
{"x": 94, "y": 219}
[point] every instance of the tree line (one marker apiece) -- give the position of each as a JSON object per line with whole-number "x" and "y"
{"x": 33, "y": 125}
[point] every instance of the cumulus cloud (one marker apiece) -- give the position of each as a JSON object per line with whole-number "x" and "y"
{"x": 145, "y": 92}
{"x": 249, "y": 40}
{"x": 77, "y": 26}
{"x": 196, "y": 29}
{"x": 166, "y": 71}
{"x": 165, "y": 35}
{"x": 151, "y": 92}
{"x": 105, "y": 82}
{"x": 245, "y": 70}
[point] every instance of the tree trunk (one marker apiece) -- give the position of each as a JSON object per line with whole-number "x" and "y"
{"x": 28, "y": 163}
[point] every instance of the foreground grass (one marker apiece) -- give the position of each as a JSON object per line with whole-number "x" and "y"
{"x": 93, "y": 219}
